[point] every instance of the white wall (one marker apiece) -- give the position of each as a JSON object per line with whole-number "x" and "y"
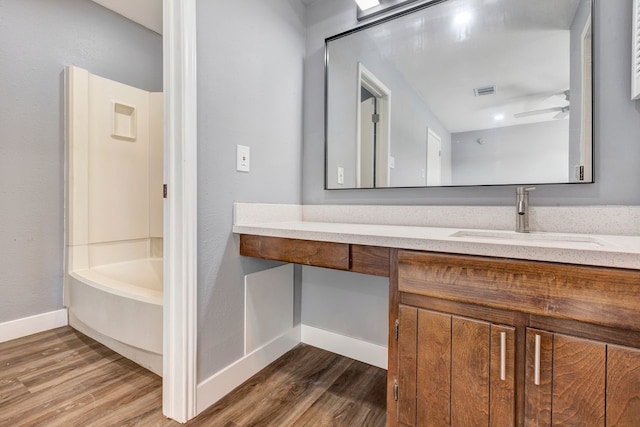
{"x": 250, "y": 79}
{"x": 534, "y": 153}
{"x": 39, "y": 38}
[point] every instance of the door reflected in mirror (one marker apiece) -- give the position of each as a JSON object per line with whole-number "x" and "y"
{"x": 373, "y": 113}
{"x": 427, "y": 98}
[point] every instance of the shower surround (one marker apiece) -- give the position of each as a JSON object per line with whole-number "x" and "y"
{"x": 114, "y": 280}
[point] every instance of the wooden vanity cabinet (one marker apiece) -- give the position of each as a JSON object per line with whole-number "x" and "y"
{"x": 480, "y": 341}
{"x": 493, "y": 342}
{"x": 454, "y": 370}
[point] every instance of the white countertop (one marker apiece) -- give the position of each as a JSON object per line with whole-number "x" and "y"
{"x": 585, "y": 249}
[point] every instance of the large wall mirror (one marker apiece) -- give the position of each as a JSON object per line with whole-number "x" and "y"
{"x": 462, "y": 93}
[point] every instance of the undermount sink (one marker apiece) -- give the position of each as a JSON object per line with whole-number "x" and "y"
{"x": 549, "y": 238}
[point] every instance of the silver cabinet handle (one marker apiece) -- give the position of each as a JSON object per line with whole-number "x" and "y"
{"x": 536, "y": 368}
{"x": 503, "y": 356}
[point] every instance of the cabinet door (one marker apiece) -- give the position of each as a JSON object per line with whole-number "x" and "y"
{"x": 579, "y": 368}
{"x": 434, "y": 368}
{"x": 565, "y": 383}
{"x": 454, "y": 371}
{"x": 470, "y": 360}
{"x": 407, "y": 365}
{"x": 502, "y": 410}
{"x": 538, "y": 388}
{"x": 623, "y": 386}
{"x": 482, "y": 374}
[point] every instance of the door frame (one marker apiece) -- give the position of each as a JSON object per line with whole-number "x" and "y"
{"x": 586, "y": 125}
{"x": 180, "y": 210}
{"x": 383, "y": 94}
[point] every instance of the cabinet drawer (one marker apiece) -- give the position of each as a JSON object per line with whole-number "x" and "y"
{"x": 598, "y": 295}
{"x": 306, "y": 252}
{"x": 372, "y": 260}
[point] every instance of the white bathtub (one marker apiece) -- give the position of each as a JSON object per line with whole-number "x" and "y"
{"x": 120, "y": 305}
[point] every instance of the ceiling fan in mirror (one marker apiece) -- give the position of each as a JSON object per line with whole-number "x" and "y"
{"x": 562, "y": 111}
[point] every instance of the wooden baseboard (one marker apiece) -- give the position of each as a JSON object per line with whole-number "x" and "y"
{"x": 221, "y": 383}
{"x": 343, "y": 345}
{"x": 33, "y": 324}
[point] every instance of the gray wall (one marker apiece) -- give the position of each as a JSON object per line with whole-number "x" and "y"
{"x": 411, "y": 118}
{"x": 617, "y": 124}
{"x": 39, "y": 38}
{"x": 410, "y": 114}
{"x": 250, "y": 79}
{"x": 530, "y": 153}
{"x": 333, "y": 300}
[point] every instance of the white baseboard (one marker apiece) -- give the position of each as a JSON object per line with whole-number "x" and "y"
{"x": 221, "y": 383}
{"x": 32, "y": 325}
{"x": 343, "y": 345}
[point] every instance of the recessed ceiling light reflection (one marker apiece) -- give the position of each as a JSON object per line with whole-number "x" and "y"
{"x": 498, "y": 117}
{"x": 462, "y": 18}
{"x": 367, "y": 4}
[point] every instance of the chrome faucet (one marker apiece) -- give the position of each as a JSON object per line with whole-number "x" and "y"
{"x": 522, "y": 209}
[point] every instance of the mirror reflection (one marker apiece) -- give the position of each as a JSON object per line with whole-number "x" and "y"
{"x": 462, "y": 92}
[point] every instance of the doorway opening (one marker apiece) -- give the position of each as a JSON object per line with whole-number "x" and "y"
{"x": 373, "y": 131}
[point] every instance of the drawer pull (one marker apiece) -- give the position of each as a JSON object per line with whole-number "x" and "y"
{"x": 503, "y": 356}
{"x": 536, "y": 363}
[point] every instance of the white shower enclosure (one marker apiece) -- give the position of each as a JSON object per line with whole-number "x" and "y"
{"x": 113, "y": 280}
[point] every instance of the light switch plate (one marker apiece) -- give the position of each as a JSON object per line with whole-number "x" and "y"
{"x": 340, "y": 175}
{"x": 243, "y": 154}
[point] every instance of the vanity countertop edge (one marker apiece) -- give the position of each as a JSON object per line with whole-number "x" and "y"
{"x": 612, "y": 251}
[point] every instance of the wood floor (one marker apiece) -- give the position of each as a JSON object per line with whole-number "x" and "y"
{"x": 63, "y": 378}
